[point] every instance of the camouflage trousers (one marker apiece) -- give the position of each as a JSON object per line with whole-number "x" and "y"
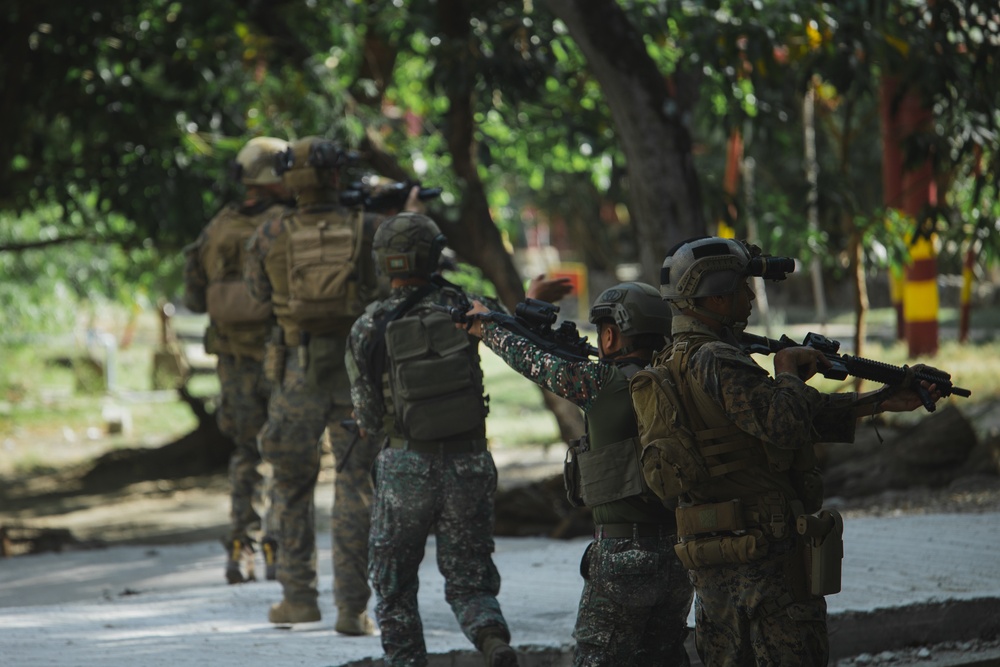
{"x": 297, "y": 416}
{"x": 744, "y": 616}
{"x": 242, "y": 413}
{"x": 634, "y": 606}
{"x": 451, "y": 495}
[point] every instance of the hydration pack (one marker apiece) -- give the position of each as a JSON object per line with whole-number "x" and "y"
{"x": 434, "y": 377}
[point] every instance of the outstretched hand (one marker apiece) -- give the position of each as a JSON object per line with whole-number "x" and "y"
{"x": 548, "y": 290}
{"x": 475, "y": 324}
{"x": 909, "y": 399}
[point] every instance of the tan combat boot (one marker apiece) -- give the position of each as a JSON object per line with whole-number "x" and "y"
{"x": 493, "y": 644}
{"x": 240, "y": 560}
{"x": 354, "y": 624}
{"x": 286, "y": 612}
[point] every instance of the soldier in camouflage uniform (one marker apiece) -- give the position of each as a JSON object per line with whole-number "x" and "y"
{"x": 744, "y": 462}
{"x": 636, "y": 595}
{"x": 315, "y": 266}
{"x": 435, "y": 472}
{"x": 237, "y": 331}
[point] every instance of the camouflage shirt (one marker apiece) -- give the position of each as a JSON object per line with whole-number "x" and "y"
{"x": 782, "y": 410}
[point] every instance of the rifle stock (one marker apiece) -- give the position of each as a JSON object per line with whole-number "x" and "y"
{"x": 859, "y": 367}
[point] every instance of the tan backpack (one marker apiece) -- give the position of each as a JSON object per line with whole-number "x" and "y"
{"x": 672, "y": 461}
{"x": 324, "y": 267}
{"x": 227, "y": 299}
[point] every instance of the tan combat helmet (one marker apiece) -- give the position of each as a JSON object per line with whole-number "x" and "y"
{"x": 255, "y": 163}
{"x": 408, "y": 245}
{"x": 308, "y": 163}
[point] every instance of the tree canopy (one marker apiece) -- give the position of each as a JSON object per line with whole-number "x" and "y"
{"x": 118, "y": 120}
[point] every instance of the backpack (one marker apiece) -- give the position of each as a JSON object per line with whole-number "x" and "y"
{"x": 227, "y": 299}
{"x": 434, "y": 376}
{"x": 324, "y": 265}
{"x": 672, "y": 461}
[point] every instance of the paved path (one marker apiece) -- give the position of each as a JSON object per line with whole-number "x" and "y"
{"x": 165, "y": 606}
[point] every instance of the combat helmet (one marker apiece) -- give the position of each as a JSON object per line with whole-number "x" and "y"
{"x": 307, "y": 163}
{"x": 255, "y": 163}
{"x": 706, "y": 266}
{"x": 408, "y": 245}
{"x": 636, "y": 308}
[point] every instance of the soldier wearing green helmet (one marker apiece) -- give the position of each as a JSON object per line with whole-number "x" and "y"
{"x": 417, "y": 383}
{"x": 238, "y": 328}
{"x": 636, "y": 595}
{"x": 733, "y": 447}
{"x": 314, "y": 264}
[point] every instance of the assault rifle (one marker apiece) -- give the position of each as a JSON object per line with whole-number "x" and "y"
{"x": 866, "y": 369}
{"x": 533, "y": 319}
{"x": 384, "y": 197}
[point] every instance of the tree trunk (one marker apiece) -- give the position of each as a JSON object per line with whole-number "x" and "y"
{"x": 665, "y": 196}
{"x": 475, "y": 236}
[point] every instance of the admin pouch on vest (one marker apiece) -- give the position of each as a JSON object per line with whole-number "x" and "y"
{"x": 434, "y": 377}
{"x": 324, "y": 254}
{"x": 611, "y": 472}
{"x": 227, "y": 298}
{"x": 824, "y": 550}
{"x": 671, "y": 461}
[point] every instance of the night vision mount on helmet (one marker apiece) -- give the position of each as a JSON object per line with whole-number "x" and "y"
{"x": 713, "y": 266}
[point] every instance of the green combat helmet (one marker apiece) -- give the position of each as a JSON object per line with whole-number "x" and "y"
{"x": 408, "y": 245}
{"x": 637, "y": 308}
{"x": 255, "y": 163}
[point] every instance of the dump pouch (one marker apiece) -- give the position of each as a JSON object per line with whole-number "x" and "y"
{"x": 824, "y": 550}
{"x": 324, "y": 362}
{"x": 571, "y": 471}
{"x": 730, "y": 550}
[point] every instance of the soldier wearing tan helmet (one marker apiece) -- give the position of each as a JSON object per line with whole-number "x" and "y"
{"x": 238, "y": 327}
{"x": 733, "y": 447}
{"x": 314, "y": 264}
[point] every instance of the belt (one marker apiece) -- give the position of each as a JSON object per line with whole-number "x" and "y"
{"x": 441, "y": 447}
{"x": 633, "y": 530}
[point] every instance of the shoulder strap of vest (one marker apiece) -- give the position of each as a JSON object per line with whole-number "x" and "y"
{"x": 713, "y": 442}
{"x": 377, "y": 352}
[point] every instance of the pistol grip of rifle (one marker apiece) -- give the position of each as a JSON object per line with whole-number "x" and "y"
{"x": 925, "y": 398}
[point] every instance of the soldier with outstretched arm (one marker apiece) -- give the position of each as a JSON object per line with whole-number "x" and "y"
{"x": 733, "y": 446}
{"x": 636, "y": 595}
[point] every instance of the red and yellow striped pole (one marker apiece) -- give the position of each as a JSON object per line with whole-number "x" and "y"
{"x": 920, "y": 298}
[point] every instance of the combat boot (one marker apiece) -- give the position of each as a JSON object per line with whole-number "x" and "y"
{"x": 493, "y": 643}
{"x": 286, "y": 613}
{"x": 239, "y": 566}
{"x": 354, "y": 624}
{"x": 269, "y": 547}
